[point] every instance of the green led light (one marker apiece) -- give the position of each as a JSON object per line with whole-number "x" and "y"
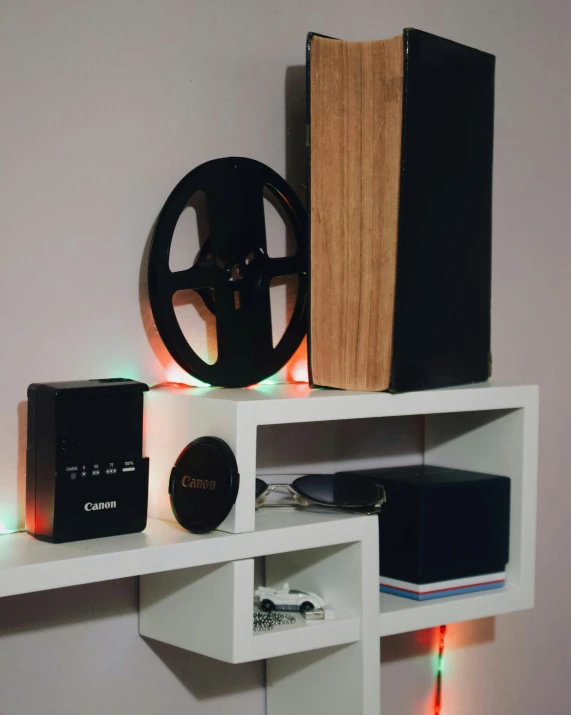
{"x": 5, "y": 530}
{"x": 441, "y": 646}
{"x": 127, "y": 371}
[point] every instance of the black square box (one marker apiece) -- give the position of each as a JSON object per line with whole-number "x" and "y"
{"x": 441, "y": 524}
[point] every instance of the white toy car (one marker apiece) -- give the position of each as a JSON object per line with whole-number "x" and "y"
{"x": 288, "y": 599}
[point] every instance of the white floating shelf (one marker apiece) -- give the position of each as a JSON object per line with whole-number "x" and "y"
{"x": 197, "y": 591}
{"x": 223, "y": 596}
{"x": 28, "y": 565}
{"x": 175, "y": 416}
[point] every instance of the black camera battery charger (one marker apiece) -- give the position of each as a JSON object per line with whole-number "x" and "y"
{"x": 86, "y": 476}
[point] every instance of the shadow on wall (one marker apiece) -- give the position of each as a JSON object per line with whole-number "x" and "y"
{"x": 149, "y": 326}
{"x": 67, "y": 606}
{"x": 343, "y": 444}
{"x": 295, "y": 130}
{"x": 22, "y": 416}
{"x": 205, "y": 677}
{"x": 296, "y": 176}
{"x": 78, "y": 612}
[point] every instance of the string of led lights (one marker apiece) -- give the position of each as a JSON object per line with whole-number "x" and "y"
{"x": 438, "y": 694}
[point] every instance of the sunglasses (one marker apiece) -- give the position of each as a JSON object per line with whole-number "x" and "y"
{"x": 337, "y": 491}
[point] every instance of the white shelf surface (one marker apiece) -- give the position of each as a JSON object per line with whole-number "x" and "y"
{"x": 280, "y": 404}
{"x": 399, "y": 615}
{"x": 327, "y": 557}
{"x": 28, "y": 565}
{"x": 303, "y": 636}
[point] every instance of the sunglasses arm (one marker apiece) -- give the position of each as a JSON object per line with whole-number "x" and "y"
{"x": 382, "y": 498}
{"x": 300, "y": 501}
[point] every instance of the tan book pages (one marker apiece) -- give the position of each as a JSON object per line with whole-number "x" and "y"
{"x": 356, "y": 125}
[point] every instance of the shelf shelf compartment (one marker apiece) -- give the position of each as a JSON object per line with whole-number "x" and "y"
{"x": 209, "y": 609}
{"x": 176, "y": 416}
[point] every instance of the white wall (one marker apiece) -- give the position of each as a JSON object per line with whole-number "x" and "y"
{"x": 104, "y": 106}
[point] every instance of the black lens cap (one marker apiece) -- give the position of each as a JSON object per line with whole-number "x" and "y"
{"x": 204, "y": 484}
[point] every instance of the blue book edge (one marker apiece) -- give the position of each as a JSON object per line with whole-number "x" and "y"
{"x": 441, "y": 594}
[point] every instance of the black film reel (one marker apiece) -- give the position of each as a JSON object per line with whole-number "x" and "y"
{"x": 232, "y": 272}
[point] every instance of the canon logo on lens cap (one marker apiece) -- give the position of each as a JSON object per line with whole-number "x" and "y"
{"x": 204, "y": 484}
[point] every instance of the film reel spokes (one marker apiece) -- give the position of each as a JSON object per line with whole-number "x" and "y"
{"x": 232, "y": 272}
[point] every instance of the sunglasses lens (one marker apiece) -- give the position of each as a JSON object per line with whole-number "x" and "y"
{"x": 337, "y": 490}
{"x": 261, "y": 487}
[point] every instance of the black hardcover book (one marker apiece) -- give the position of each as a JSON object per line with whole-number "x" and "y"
{"x": 400, "y": 193}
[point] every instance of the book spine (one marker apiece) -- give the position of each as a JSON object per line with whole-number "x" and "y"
{"x": 441, "y": 331}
